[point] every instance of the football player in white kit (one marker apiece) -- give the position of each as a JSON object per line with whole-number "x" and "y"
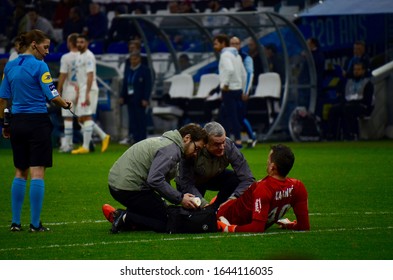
{"x": 67, "y": 87}
{"x": 87, "y": 97}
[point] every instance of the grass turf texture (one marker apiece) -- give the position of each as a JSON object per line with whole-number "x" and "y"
{"x": 350, "y": 201}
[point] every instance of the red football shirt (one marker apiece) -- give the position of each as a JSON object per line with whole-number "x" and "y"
{"x": 265, "y": 202}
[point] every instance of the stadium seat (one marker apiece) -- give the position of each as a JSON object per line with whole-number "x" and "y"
{"x": 4, "y": 56}
{"x": 206, "y": 84}
{"x": 264, "y": 104}
{"x": 62, "y": 48}
{"x": 97, "y": 47}
{"x": 197, "y": 105}
{"x": 163, "y": 65}
{"x": 53, "y": 57}
{"x": 118, "y": 47}
{"x": 180, "y": 92}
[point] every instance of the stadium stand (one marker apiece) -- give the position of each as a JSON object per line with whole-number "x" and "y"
{"x": 162, "y": 61}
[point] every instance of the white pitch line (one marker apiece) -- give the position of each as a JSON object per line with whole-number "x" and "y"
{"x": 310, "y": 214}
{"x": 351, "y": 213}
{"x": 198, "y": 237}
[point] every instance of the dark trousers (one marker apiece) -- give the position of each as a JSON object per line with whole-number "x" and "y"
{"x": 344, "y": 117}
{"x": 137, "y": 119}
{"x": 244, "y": 121}
{"x": 225, "y": 183}
{"x": 231, "y": 112}
{"x": 146, "y": 210}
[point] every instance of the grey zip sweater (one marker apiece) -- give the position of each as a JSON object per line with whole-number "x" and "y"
{"x": 150, "y": 165}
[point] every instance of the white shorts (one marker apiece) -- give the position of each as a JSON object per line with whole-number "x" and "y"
{"x": 90, "y": 109}
{"x": 69, "y": 94}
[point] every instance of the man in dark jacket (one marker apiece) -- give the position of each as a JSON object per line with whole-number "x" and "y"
{"x": 135, "y": 93}
{"x": 208, "y": 171}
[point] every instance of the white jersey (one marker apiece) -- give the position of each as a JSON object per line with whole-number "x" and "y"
{"x": 68, "y": 66}
{"x": 86, "y": 63}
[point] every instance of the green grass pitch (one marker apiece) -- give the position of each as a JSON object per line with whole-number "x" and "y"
{"x": 350, "y": 188}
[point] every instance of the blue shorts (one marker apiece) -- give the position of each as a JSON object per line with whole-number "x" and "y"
{"x": 31, "y": 140}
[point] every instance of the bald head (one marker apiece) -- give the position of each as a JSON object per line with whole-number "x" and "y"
{"x": 235, "y": 42}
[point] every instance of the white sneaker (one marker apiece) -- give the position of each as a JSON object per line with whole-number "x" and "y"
{"x": 125, "y": 141}
{"x": 284, "y": 221}
{"x": 65, "y": 149}
{"x": 251, "y": 143}
{"x": 224, "y": 220}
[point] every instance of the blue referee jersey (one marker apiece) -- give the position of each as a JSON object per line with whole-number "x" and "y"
{"x": 28, "y": 84}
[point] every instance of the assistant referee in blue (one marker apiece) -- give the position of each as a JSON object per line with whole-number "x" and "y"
{"x": 28, "y": 86}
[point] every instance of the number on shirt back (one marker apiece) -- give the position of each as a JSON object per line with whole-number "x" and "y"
{"x": 277, "y": 213}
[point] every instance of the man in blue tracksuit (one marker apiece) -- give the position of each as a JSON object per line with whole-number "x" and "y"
{"x": 249, "y": 66}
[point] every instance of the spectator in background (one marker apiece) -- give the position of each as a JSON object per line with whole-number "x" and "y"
{"x": 84, "y": 6}
{"x": 185, "y": 7}
{"x": 247, "y": 6}
{"x": 304, "y": 75}
{"x": 121, "y": 29}
{"x": 359, "y": 55}
{"x": 135, "y": 94}
{"x": 356, "y": 100}
{"x": 256, "y": 58}
{"x": 5, "y": 16}
{"x": 184, "y": 62}
{"x": 18, "y": 20}
{"x": 212, "y": 20}
{"x": 216, "y": 7}
{"x": 319, "y": 61}
{"x": 177, "y": 35}
{"x": 275, "y": 61}
{"x": 139, "y": 9}
{"x": 61, "y": 13}
{"x": 96, "y": 27}
{"x": 35, "y": 21}
{"x": 74, "y": 24}
{"x": 174, "y": 7}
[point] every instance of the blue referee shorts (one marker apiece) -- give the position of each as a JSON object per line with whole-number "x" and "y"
{"x": 31, "y": 140}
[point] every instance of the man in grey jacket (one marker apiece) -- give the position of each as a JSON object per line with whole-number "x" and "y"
{"x": 140, "y": 178}
{"x": 208, "y": 171}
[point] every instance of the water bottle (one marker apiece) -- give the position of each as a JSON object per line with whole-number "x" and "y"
{"x": 7, "y": 117}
